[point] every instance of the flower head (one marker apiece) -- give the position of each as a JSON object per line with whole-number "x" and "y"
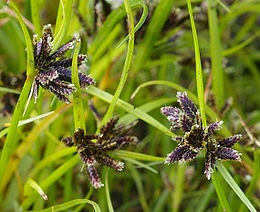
{"x": 220, "y": 150}
{"x": 52, "y": 68}
{"x": 94, "y": 148}
{"x": 196, "y": 137}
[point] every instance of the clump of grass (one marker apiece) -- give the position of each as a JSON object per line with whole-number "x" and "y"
{"x": 124, "y": 56}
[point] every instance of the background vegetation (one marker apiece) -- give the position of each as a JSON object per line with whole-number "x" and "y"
{"x": 162, "y": 56}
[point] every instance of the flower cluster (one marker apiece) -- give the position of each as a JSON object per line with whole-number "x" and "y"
{"x": 196, "y": 137}
{"x": 94, "y": 148}
{"x": 52, "y": 71}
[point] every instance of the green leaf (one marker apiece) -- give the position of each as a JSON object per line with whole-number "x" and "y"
{"x": 153, "y": 31}
{"x": 138, "y": 163}
{"x": 78, "y": 109}
{"x": 139, "y": 24}
{"x": 35, "y": 16}
{"x": 62, "y": 22}
{"x": 215, "y": 55}
{"x": 109, "y": 202}
{"x": 36, "y": 187}
{"x": 199, "y": 73}
{"x": 70, "y": 204}
{"x": 27, "y": 121}
{"x": 220, "y": 192}
{"x": 127, "y": 64}
{"x": 9, "y": 90}
{"x": 17, "y": 115}
{"x": 129, "y": 108}
{"x": 138, "y": 156}
{"x": 229, "y": 179}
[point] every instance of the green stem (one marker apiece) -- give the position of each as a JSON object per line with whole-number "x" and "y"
{"x": 17, "y": 115}
{"x": 127, "y": 64}
{"x": 220, "y": 192}
{"x": 78, "y": 109}
{"x": 216, "y": 55}
{"x": 35, "y": 16}
{"x": 200, "y": 90}
{"x": 199, "y": 73}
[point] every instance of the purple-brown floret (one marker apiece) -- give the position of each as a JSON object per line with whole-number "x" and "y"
{"x": 52, "y": 68}
{"x": 196, "y": 137}
{"x": 93, "y": 149}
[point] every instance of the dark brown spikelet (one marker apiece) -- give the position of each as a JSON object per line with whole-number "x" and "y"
{"x": 196, "y": 137}
{"x": 187, "y": 105}
{"x": 94, "y": 149}
{"x": 52, "y": 68}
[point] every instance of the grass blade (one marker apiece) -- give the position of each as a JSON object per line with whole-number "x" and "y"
{"x": 9, "y": 90}
{"x": 36, "y": 187}
{"x": 138, "y": 25}
{"x": 109, "y": 202}
{"x": 78, "y": 109}
{"x": 240, "y": 46}
{"x": 23, "y": 122}
{"x": 229, "y": 179}
{"x": 215, "y": 55}
{"x": 70, "y": 204}
{"x": 220, "y": 192}
{"x": 200, "y": 90}
{"x": 35, "y": 16}
{"x": 138, "y": 163}
{"x": 128, "y": 59}
{"x": 130, "y": 108}
{"x": 53, "y": 177}
{"x": 199, "y": 73}
{"x": 9, "y": 142}
{"x": 152, "y": 33}
{"x": 62, "y": 22}
{"x": 140, "y": 188}
{"x": 138, "y": 156}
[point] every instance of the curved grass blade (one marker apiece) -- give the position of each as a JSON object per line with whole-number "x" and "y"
{"x": 53, "y": 177}
{"x": 70, "y": 204}
{"x": 9, "y": 142}
{"x": 36, "y": 187}
{"x": 147, "y": 107}
{"x": 127, "y": 63}
{"x": 235, "y": 49}
{"x": 138, "y": 25}
{"x": 62, "y": 22}
{"x": 153, "y": 31}
{"x": 23, "y": 148}
{"x": 140, "y": 164}
{"x": 112, "y": 20}
{"x": 23, "y": 122}
{"x": 129, "y": 108}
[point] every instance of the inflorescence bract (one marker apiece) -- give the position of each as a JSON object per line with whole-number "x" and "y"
{"x": 52, "y": 73}
{"x": 94, "y": 148}
{"x": 196, "y": 137}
